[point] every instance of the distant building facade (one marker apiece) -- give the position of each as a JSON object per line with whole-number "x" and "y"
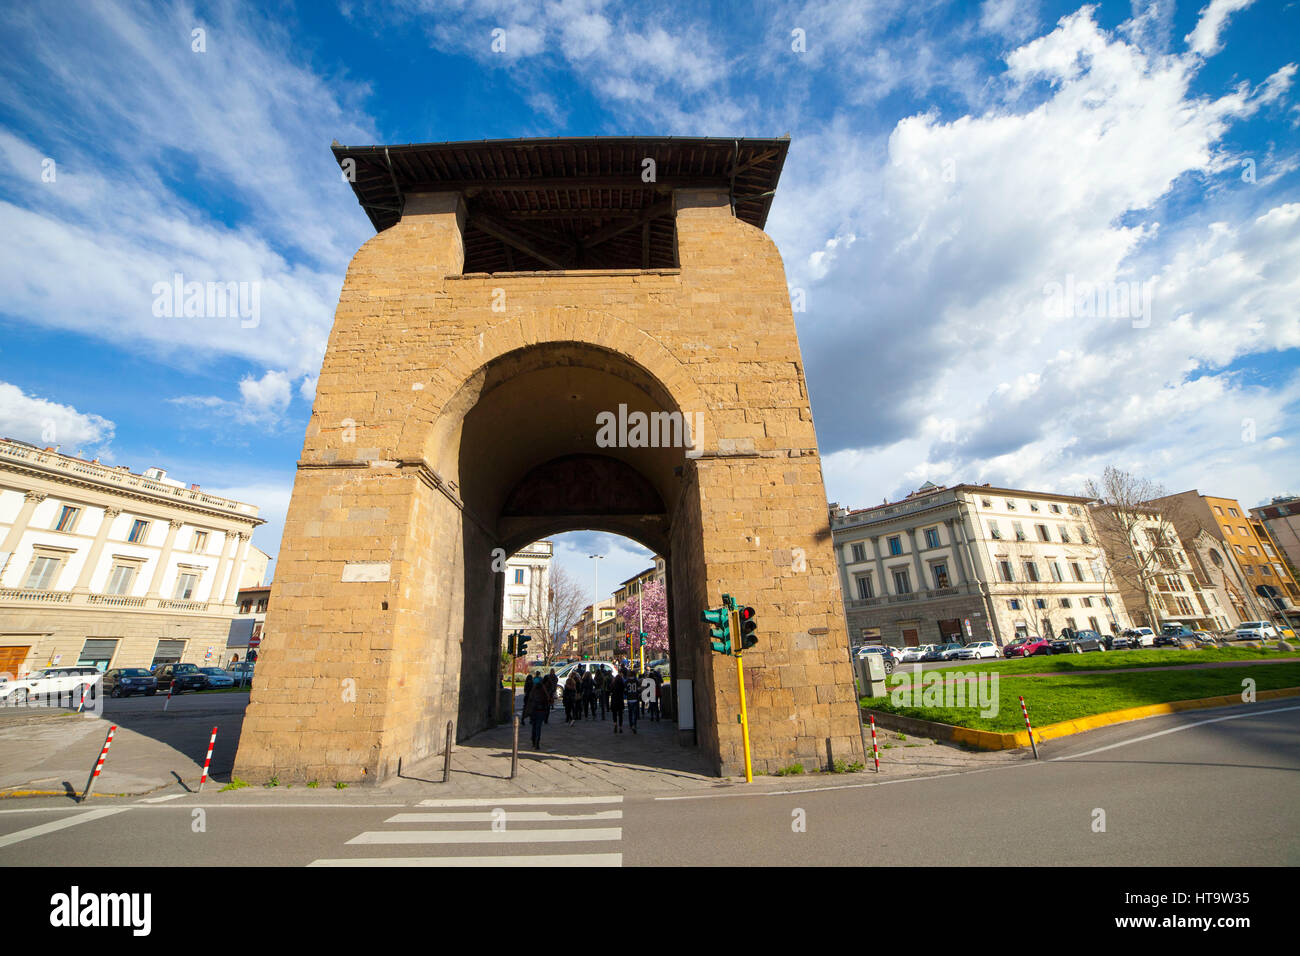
{"x": 100, "y": 566}
{"x": 971, "y": 563}
{"x": 524, "y": 604}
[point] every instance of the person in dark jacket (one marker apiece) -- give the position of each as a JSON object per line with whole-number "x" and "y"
{"x": 549, "y": 682}
{"x": 602, "y": 690}
{"x": 589, "y": 695}
{"x": 654, "y": 700}
{"x": 537, "y": 706}
{"x": 528, "y": 686}
{"x": 632, "y": 692}
{"x": 616, "y": 702}
{"x": 570, "y": 699}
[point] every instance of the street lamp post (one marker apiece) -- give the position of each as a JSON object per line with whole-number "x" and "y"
{"x": 595, "y": 604}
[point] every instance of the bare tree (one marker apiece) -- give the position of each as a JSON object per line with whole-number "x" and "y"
{"x": 550, "y": 616}
{"x": 1136, "y": 532}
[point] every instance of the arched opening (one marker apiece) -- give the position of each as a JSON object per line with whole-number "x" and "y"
{"x": 548, "y": 439}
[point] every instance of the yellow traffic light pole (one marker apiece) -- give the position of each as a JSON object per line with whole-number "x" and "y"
{"x": 740, "y": 678}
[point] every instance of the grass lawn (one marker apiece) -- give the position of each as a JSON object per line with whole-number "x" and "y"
{"x": 1066, "y": 696}
{"x": 1097, "y": 660}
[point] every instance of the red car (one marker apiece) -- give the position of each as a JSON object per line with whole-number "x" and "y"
{"x": 1028, "y": 647}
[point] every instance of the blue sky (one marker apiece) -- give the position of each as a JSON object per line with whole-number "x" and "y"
{"x": 949, "y": 162}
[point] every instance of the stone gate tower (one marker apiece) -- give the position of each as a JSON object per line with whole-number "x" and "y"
{"x": 516, "y": 294}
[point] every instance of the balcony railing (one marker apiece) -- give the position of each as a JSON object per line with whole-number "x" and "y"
{"x": 118, "y": 477}
{"x": 28, "y": 596}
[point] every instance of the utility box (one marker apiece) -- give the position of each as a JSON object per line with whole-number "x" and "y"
{"x": 870, "y": 670}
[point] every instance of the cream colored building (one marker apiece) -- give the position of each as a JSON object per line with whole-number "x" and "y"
{"x": 102, "y": 566}
{"x": 973, "y": 563}
{"x": 524, "y": 603}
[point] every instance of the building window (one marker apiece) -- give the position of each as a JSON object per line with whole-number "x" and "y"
{"x": 1065, "y": 534}
{"x": 516, "y": 608}
{"x": 1250, "y": 569}
{"x": 940, "y": 572}
{"x": 261, "y": 606}
{"x": 139, "y": 531}
{"x": 1065, "y": 602}
{"x": 519, "y": 575}
{"x": 1007, "y": 575}
{"x": 1240, "y": 549}
{"x": 896, "y": 545}
{"x": 1074, "y": 510}
{"x": 1233, "y": 512}
{"x": 1056, "y": 571}
{"x": 1218, "y": 510}
{"x": 859, "y": 553}
{"x": 1087, "y": 602}
{"x": 902, "y": 583}
{"x": 1253, "y": 550}
{"x": 1078, "y": 570}
{"x": 1014, "y": 604}
{"x": 1019, "y": 529}
{"x": 186, "y": 584}
{"x": 67, "y": 518}
{"x": 120, "y": 579}
{"x": 864, "y": 587}
{"x": 986, "y": 502}
{"x": 1106, "y": 601}
{"x": 1033, "y": 506}
{"x": 1083, "y": 535}
{"x": 246, "y": 607}
{"x": 994, "y": 532}
{"x": 1227, "y": 529}
{"x": 1031, "y": 571}
{"x": 1043, "y": 533}
{"x": 1040, "y": 603}
{"x": 1011, "y": 506}
{"x": 200, "y": 542}
{"x": 97, "y": 652}
{"x": 43, "y": 573}
{"x": 932, "y": 537}
{"x": 1056, "y": 509}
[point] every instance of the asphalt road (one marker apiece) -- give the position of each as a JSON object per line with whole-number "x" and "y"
{"x": 1205, "y": 788}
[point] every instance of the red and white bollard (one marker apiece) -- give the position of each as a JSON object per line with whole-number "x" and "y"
{"x": 208, "y": 760}
{"x": 875, "y": 751}
{"x": 1025, "y": 710}
{"x": 84, "y": 688}
{"x": 99, "y": 764}
{"x": 169, "y": 698}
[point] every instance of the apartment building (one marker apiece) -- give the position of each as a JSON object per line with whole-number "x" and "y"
{"x": 1281, "y": 517}
{"x": 527, "y": 581}
{"x": 970, "y": 563}
{"x": 595, "y": 634}
{"x": 1257, "y": 559}
{"x": 102, "y": 566}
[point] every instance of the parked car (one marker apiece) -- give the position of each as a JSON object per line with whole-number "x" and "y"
{"x": 949, "y": 652}
{"x": 1142, "y": 636}
{"x": 1029, "y": 647}
{"x": 1123, "y": 641}
{"x": 886, "y": 653}
{"x": 1174, "y": 635}
{"x": 911, "y": 655}
{"x": 217, "y": 677}
{"x": 242, "y": 672}
{"x": 1089, "y": 640}
{"x": 56, "y": 685}
{"x": 180, "y": 677}
{"x": 1255, "y": 631}
{"x": 125, "y": 681}
{"x": 977, "y": 651}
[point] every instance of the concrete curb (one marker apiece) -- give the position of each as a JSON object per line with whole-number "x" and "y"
{"x": 990, "y": 740}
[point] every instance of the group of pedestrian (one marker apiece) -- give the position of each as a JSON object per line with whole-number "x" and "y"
{"x": 588, "y": 688}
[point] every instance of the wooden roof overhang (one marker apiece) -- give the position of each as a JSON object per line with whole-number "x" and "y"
{"x": 579, "y": 203}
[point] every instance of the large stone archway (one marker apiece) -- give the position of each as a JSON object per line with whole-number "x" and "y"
{"x": 457, "y": 418}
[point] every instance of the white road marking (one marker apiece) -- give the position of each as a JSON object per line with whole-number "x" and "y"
{"x": 513, "y": 816}
{"x": 1174, "y": 730}
{"x": 31, "y": 832}
{"x": 489, "y": 836}
{"x": 576, "y": 859}
{"x": 514, "y": 801}
{"x": 170, "y": 796}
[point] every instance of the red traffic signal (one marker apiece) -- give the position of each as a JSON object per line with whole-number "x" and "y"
{"x": 748, "y": 625}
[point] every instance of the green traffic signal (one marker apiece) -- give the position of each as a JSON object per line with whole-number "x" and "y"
{"x": 719, "y": 623}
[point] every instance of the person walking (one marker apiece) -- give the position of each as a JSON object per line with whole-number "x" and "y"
{"x": 528, "y": 687}
{"x": 537, "y": 705}
{"x": 657, "y": 680}
{"x": 602, "y": 690}
{"x": 589, "y": 695}
{"x": 616, "y": 702}
{"x": 549, "y": 682}
{"x": 632, "y": 691}
{"x": 570, "y": 698}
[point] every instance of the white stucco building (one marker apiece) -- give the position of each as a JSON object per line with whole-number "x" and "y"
{"x": 101, "y": 566}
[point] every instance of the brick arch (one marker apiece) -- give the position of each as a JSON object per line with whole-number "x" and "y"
{"x": 450, "y": 391}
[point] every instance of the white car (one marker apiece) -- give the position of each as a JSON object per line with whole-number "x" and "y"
{"x": 978, "y": 650}
{"x": 55, "y": 685}
{"x": 910, "y": 655}
{"x": 1142, "y": 636}
{"x": 1255, "y": 631}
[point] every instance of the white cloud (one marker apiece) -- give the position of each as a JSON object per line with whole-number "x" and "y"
{"x": 262, "y": 401}
{"x": 1205, "y": 37}
{"x": 44, "y": 423}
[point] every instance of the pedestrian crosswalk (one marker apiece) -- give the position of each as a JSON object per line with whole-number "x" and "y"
{"x": 476, "y": 823}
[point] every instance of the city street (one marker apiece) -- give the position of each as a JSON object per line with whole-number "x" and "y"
{"x": 1227, "y": 776}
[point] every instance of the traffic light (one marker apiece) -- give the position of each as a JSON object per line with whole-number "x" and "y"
{"x": 719, "y": 621}
{"x": 521, "y": 644}
{"x": 644, "y": 635}
{"x": 748, "y": 625}
{"x": 510, "y": 644}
